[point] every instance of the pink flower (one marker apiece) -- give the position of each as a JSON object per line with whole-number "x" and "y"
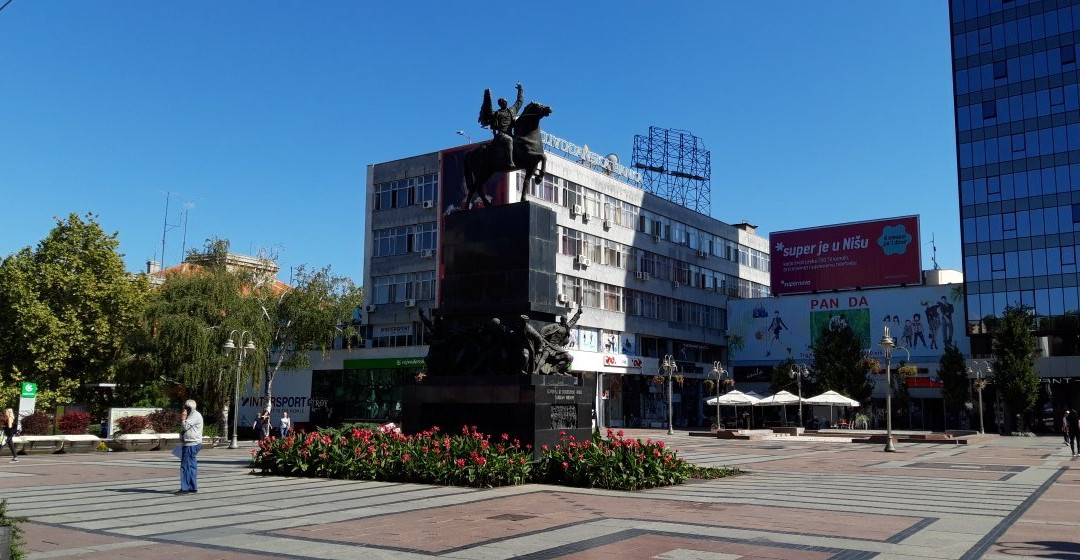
{"x": 406, "y": 457}
{"x": 565, "y": 465}
{"x": 505, "y": 437}
{"x": 620, "y": 433}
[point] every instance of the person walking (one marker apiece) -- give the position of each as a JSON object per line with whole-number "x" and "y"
{"x": 8, "y": 423}
{"x": 262, "y": 426}
{"x": 191, "y": 434}
{"x": 285, "y": 424}
{"x": 1074, "y": 431}
{"x": 1065, "y": 426}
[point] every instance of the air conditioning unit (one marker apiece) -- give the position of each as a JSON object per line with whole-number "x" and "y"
{"x": 575, "y": 210}
{"x": 607, "y": 224}
{"x": 702, "y": 254}
{"x": 370, "y": 308}
{"x": 642, "y": 276}
{"x": 582, "y": 260}
{"x": 427, "y": 253}
{"x": 410, "y": 302}
{"x": 675, "y": 284}
{"x": 656, "y": 239}
{"x": 561, "y": 298}
{"x": 429, "y": 204}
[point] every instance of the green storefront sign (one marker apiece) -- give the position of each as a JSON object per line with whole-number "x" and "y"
{"x": 383, "y": 363}
{"x": 28, "y": 390}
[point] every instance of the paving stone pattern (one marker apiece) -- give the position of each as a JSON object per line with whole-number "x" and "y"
{"x": 998, "y": 498}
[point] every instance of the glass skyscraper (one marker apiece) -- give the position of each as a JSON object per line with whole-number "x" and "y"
{"x": 1015, "y": 80}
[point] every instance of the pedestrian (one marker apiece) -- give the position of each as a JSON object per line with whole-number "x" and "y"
{"x": 262, "y": 426}
{"x": 191, "y": 434}
{"x": 1065, "y": 426}
{"x": 285, "y": 424}
{"x": 9, "y": 424}
{"x": 1074, "y": 431}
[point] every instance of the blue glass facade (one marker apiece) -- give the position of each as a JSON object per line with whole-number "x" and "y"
{"x": 1017, "y": 102}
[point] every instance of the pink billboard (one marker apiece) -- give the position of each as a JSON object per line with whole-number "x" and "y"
{"x": 843, "y": 256}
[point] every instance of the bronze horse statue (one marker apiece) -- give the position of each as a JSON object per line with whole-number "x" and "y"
{"x": 484, "y": 161}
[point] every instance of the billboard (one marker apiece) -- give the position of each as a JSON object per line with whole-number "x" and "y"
{"x": 855, "y": 255}
{"x": 921, "y": 318}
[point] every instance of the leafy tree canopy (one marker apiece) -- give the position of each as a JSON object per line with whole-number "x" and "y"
{"x": 1014, "y": 360}
{"x": 839, "y": 365}
{"x": 66, "y": 309}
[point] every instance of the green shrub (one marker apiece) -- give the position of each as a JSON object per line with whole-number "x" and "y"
{"x": 467, "y": 459}
{"x": 131, "y": 425}
{"x": 74, "y": 423}
{"x": 164, "y": 421}
{"x": 16, "y": 531}
{"x": 37, "y": 424}
{"x": 615, "y": 463}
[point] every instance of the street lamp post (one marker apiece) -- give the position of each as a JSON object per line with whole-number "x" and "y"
{"x": 669, "y": 366}
{"x": 977, "y": 372}
{"x": 241, "y": 349}
{"x": 720, "y": 373}
{"x": 800, "y": 371}
{"x": 464, "y": 134}
{"x": 887, "y": 344}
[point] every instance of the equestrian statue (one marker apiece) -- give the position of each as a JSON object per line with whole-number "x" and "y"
{"x": 515, "y": 145}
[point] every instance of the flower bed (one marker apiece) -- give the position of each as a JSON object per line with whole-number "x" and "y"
{"x": 474, "y": 459}
{"x": 468, "y": 459}
{"x": 616, "y": 463}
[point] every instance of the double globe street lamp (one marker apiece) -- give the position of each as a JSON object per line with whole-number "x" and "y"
{"x": 669, "y": 366}
{"x": 242, "y": 350}
{"x": 800, "y": 371}
{"x": 887, "y": 345}
{"x": 720, "y": 373}
{"x": 976, "y": 373}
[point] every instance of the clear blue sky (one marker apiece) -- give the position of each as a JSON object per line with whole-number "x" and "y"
{"x": 262, "y": 117}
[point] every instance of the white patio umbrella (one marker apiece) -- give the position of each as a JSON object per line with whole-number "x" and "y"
{"x": 832, "y": 398}
{"x": 733, "y": 398}
{"x": 783, "y": 398}
{"x": 779, "y": 399}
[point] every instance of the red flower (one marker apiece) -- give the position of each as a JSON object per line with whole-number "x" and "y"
{"x": 505, "y": 437}
{"x": 460, "y": 463}
{"x": 565, "y": 465}
{"x": 406, "y": 457}
{"x": 620, "y": 433}
{"x": 544, "y": 448}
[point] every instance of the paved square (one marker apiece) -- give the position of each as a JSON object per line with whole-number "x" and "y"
{"x": 998, "y": 498}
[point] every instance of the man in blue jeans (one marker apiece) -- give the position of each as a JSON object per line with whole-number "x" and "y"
{"x": 191, "y": 434}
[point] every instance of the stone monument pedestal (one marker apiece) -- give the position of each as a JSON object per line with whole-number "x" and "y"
{"x": 531, "y": 408}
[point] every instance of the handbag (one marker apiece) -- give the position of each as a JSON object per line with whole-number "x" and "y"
{"x": 178, "y": 451}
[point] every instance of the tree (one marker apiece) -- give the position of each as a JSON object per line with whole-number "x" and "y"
{"x": 839, "y": 365}
{"x": 1014, "y": 374}
{"x": 66, "y": 309}
{"x": 303, "y": 319}
{"x": 955, "y": 385}
{"x": 186, "y": 325}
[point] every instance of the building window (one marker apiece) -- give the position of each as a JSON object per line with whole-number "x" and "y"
{"x": 989, "y": 109}
{"x": 1068, "y": 54}
{"x": 1000, "y": 70}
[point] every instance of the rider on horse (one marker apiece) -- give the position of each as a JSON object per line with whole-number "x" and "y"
{"x": 501, "y": 123}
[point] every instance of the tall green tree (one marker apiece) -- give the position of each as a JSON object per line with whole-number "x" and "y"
{"x": 839, "y": 365}
{"x": 305, "y": 318}
{"x": 66, "y": 309}
{"x": 185, "y": 327}
{"x": 955, "y": 385}
{"x": 1014, "y": 374}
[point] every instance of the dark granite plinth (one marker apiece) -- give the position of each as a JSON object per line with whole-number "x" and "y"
{"x": 499, "y": 262}
{"x": 533, "y": 409}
